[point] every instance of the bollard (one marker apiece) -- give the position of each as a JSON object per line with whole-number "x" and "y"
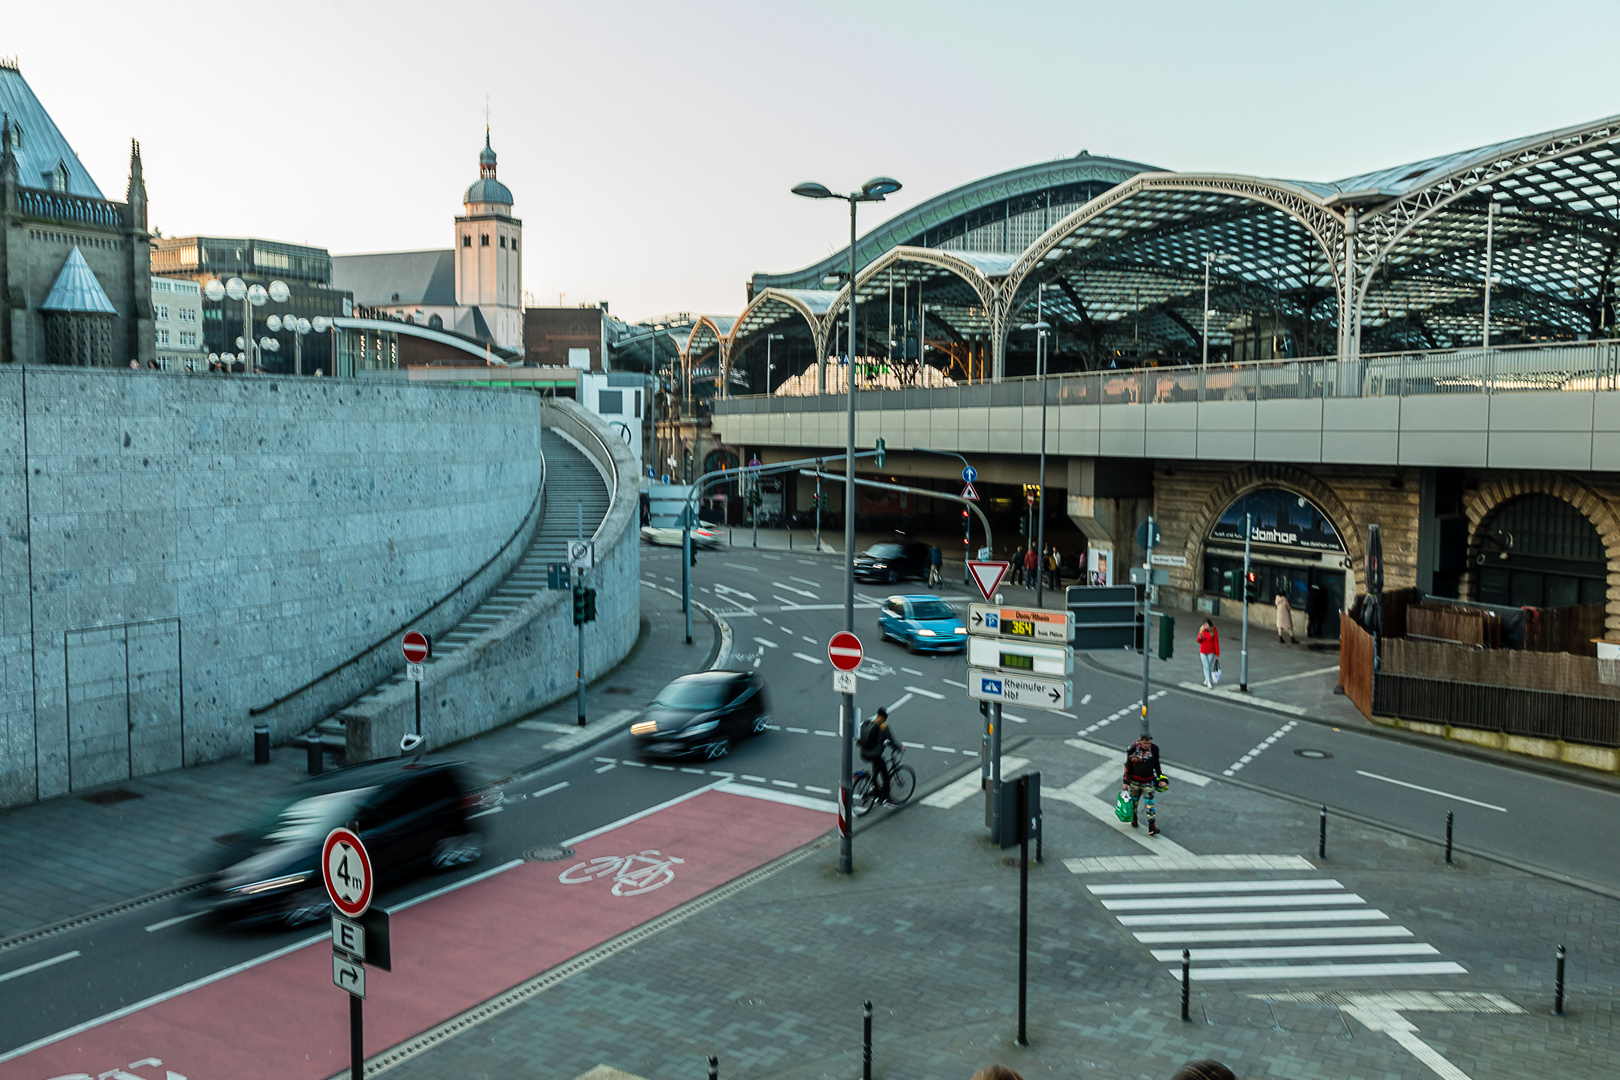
{"x": 261, "y": 744}
{"x": 312, "y": 742}
{"x": 1321, "y": 836}
{"x": 714, "y": 1067}
{"x": 1558, "y": 985}
{"x": 1186, "y": 982}
{"x": 1448, "y": 837}
{"x": 866, "y": 1042}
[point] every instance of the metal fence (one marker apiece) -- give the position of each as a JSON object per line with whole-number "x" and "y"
{"x": 1569, "y": 366}
{"x": 1510, "y": 710}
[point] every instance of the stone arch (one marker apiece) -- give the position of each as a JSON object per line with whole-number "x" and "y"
{"x": 1503, "y": 489}
{"x": 1252, "y": 477}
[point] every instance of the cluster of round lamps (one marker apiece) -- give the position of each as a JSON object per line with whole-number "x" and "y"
{"x": 258, "y": 296}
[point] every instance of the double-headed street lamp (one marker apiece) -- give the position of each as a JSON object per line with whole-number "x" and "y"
{"x": 874, "y": 190}
{"x": 299, "y": 328}
{"x": 251, "y": 296}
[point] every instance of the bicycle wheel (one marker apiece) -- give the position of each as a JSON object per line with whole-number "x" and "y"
{"x": 862, "y": 795}
{"x": 902, "y": 784}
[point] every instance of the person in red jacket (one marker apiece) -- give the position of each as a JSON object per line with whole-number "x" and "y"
{"x": 1209, "y": 650}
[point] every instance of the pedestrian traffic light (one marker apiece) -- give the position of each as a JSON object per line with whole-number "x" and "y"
{"x": 882, "y": 453}
{"x": 590, "y": 605}
{"x": 1167, "y": 636}
{"x": 1229, "y": 583}
{"x": 579, "y": 605}
{"x": 1251, "y": 586}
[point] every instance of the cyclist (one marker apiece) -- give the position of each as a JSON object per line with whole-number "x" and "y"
{"x": 876, "y": 738}
{"x": 1142, "y": 778}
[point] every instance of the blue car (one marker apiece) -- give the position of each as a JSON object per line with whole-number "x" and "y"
{"x": 922, "y": 624}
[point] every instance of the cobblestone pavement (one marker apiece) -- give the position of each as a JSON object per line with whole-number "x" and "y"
{"x": 73, "y": 855}
{"x": 772, "y": 978}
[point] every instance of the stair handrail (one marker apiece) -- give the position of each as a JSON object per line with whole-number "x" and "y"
{"x": 534, "y": 508}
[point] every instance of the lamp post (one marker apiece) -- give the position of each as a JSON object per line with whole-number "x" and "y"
{"x": 1040, "y": 326}
{"x": 1210, "y": 259}
{"x": 768, "y": 339}
{"x": 251, "y": 296}
{"x": 874, "y": 190}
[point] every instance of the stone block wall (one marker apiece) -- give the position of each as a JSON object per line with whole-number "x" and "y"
{"x": 214, "y": 542}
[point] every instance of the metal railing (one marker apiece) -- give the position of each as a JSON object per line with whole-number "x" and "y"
{"x": 70, "y": 209}
{"x": 1563, "y": 367}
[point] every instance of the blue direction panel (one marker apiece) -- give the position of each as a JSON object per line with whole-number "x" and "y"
{"x": 969, "y": 474}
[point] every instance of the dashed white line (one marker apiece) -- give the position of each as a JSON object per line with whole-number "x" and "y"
{"x": 807, "y": 637}
{"x": 914, "y": 745}
{"x": 166, "y": 923}
{"x": 926, "y": 693}
{"x": 785, "y": 783}
{"x": 767, "y": 644}
{"x": 805, "y": 581}
{"x": 59, "y": 959}
{"x": 694, "y": 772}
{"x": 555, "y": 787}
{"x": 664, "y": 768}
{"x": 798, "y": 730}
{"x": 1265, "y": 744}
{"x": 800, "y": 592}
{"x": 603, "y": 769}
{"x": 944, "y": 749}
{"x": 953, "y": 682}
{"x": 818, "y": 790}
{"x": 498, "y": 809}
{"x": 913, "y": 671}
{"x": 809, "y": 659}
{"x": 829, "y": 734}
{"x": 740, "y": 566}
{"x": 1086, "y": 700}
{"x": 755, "y": 779}
{"x": 1005, "y": 715}
{"x": 901, "y": 701}
{"x": 637, "y": 764}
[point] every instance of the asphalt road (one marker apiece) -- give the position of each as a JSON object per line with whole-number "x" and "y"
{"x": 782, "y": 609}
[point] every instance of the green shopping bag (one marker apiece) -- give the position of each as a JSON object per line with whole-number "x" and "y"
{"x": 1123, "y": 808}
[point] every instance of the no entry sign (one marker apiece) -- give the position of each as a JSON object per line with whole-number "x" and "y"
{"x": 415, "y": 647}
{"x": 844, "y": 650}
{"x": 346, "y": 869}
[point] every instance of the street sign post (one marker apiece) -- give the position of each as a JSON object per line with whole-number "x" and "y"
{"x": 1033, "y": 624}
{"x": 844, "y": 651}
{"x": 348, "y": 975}
{"x": 1015, "y": 657}
{"x": 1031, "y": 691}
{"x": 346, "y": 871}
{"x": 1105, "y": 617}
{"x": 969, "y": 474}
{"x": 1019, "y": 822}
{"x": 417, "y": 647}
{"x": 969, "y": 492}
{"x": 844, "y": 682}
{"x": 987, "y": 575}
{"x": 416, "y": 673}
{"x": 581, "y": 554}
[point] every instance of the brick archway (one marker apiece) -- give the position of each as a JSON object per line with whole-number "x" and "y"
{"x": 1503, "y": 489}
{"x": 1253, "y": 477}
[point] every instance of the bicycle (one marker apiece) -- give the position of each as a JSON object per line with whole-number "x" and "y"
{"x": 902, "y": 782}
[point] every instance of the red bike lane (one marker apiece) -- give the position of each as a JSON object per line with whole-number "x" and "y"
{"x": 282, "y": 1019}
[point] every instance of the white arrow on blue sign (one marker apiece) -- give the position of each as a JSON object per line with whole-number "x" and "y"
{"x": 969, "y": 474}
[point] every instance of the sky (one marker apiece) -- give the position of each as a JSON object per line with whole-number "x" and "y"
{"x": 650, "y": 146}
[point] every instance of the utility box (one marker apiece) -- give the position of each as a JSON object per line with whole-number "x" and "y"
{"x": 1167, "y": 636}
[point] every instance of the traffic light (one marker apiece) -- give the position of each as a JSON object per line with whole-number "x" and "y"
{"x": 590, "y": 605}
{"x": 1229, "y": 583}
{"x": 1167, "y": 636}
{"x": 579, "y": 605}
{"x": 882, "y": 453}
{"x": 1251, "y": 587}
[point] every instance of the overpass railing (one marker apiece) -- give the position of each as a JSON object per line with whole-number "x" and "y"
{"x": 1564, "y": 367}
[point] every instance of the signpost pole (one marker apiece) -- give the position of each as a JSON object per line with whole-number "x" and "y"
{"x": 994, "y": 792}
{"x": 1243, "y": 675}
{"x": 1147, "y": 620}
{"x": 357, "y": 1053}
{"x": 1023, "y": 901}
{"x": 579, "y": 674}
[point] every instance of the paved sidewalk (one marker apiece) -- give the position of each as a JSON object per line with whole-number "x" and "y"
{"x": 148, "y": 839}
{"x": 771, "y": 978}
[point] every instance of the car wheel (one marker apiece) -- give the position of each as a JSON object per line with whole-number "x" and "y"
{"x": 762, "y": 723}
{"x": 303, "y": 908}
{"x": 714, "y": 750}
{"x": 455, "y": 851}
{"x": 911, "y": 646}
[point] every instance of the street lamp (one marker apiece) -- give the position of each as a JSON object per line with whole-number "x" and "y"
{"x": 251, "y": 296}
{"x": 299, "y": 328}
{"x": 1040, "y": 326}
{"x": 874, "y": 190}
{"x": 1210, "y": 259}
{"x": 768, "y": 339}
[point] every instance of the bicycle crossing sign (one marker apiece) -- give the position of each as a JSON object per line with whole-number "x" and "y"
{"x": 581, "y": 554}
{"x": 346, "y": 869}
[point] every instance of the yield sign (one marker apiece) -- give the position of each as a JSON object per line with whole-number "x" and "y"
{"x": 844, "y": 650}
{"x": 987, "y": 575}
{"x": 968, "y": 492}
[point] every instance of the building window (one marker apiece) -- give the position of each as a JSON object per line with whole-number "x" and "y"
{"x": 503, "y": 241}
{"x": 59, "y": 177}
{"x": 483, "y": 239}
{"x": 514, "y": 243}
{"x": 16, "y": 135}
{"x": 162, "y": 337}
{"x": 163, "y": 312}
{"x": 466, "y": 240}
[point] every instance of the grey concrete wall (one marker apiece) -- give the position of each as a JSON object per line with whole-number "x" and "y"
{"x": 526, "y": 661}
{"x": 260, "y": 530}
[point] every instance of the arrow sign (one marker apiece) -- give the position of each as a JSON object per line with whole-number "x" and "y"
{"x": 968, "y": 492}
{"x": 1030, "y": 691}
{"x": 969, "y": 474}
{"x": 987, "y": 575}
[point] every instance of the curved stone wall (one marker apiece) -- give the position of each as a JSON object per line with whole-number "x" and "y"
{"x": 200, "y": 545}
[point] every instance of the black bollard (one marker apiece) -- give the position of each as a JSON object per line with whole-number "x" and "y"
{"x": 866, "y": 1042}
{"x": 1321, "y": 836}
{"x": 1558, "y": 985}
{"x": 1186, "y": 982}
{"x": 312, "y": 742}
{"x": 714, "y": 1067}
{"x": 261, "y": 744}
{"x": 1448, "y": 837}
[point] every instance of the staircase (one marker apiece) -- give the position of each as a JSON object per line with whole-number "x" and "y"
{"x": 575, "y": 491}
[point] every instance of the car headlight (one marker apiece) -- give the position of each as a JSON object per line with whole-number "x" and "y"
{"x": 270, "y": 884}
{"x": 880, "y": 566}
{"x": 702, "y": 729}
{"x": 960, "y": 630}
{"x": 925, "y": 633}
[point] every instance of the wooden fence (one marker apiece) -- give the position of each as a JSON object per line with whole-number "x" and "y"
{"x": 1558, "y": 672}
{"x": 1356, "y": 664}
{"x": 1511, "y": 710}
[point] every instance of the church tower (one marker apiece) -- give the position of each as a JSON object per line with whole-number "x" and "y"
{"x": 489, "y": 259}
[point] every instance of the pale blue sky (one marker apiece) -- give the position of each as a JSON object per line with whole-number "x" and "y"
{"x": 650, "y": 146}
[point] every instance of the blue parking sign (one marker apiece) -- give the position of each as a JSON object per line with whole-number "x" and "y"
{"x": 989, "y": 686}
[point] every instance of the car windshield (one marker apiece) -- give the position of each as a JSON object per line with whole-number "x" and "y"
{"x": 693, "y": 694}
{"x": 884, "y": 551}
{"x": 932, "y": 609}
{"x": 314, "y": 817}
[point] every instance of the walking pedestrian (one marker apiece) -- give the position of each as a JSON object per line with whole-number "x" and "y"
{"x": 1142, "y": 778}
{"x": 1029, "y": 567}
{"x": 936, "y": 559}
{"x": 1209, "y": 650}
{"x": 1285, "y": 619}
{"x": 1054, "y": 567}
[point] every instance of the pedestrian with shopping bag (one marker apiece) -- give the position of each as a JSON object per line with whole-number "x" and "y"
{"x": 1143, "y": 778}
{"x": 1209, "y": 652}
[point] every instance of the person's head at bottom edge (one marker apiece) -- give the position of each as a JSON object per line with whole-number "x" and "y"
{"x": 996, "y": 1072}
{"x": 1203, "y": 1070}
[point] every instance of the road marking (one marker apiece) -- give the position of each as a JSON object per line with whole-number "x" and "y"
{"x": 31, "y": 968}
{"x": 637, "y": 764}
{"x": 797, "y": 730}
{"x": 953, "y": 682}
{"x": 740, "y": 566}
{"x": 768, "y": 620}
{"x": 666, "y": 577}
{"x": 811, "y": 640}
{"x": 1105, "y": 721}
{"x": 1298, "y": 933}
{"x": 1300, "y": 952}
{"x": 689, "y": 769}
{"x": 723, "y": 775}
{"x": 784, "y": 783}
{"x": 949, "y": 750}
{"x": 809, "y": 659}
{"x": 786, "y": 797}
{"x": 901, "y": 701}
{"x": 757, "y": 659}
{"x": 498, "y": 809}
{"x": 1265, "y": 744}
{"x": 805, "y": 581}
{"x": 829, "y": 734}
{"x": 1086, "y": 700}
{"x": 773, "y": 558}
{"x": 664, "y": 768}
{"x": 1005, "y": 715}
{"x": 926, "y": 693}
{"x": 1432, "y": 791}
{"x": 166, "y": 923}
{"x": 1323, "y": 971}
{"x": 755, "y": 779}
{"x": 1195, "y": 903}
{"x": 1184, "y": 888}
{"x": 799, "y": 592}
{"x": 1296, "y": 675}
{"x": 549, "y": 790}
{"x": 965, "y": 787}
{"x": 1239, "y": 918}
{"x": 767, "y": 644}
{"x": 1120, "y": 864}
{"x": 914, "y": 746}
{"x": 734, "y": 592}
{"x": 914, "y": 671}
{"x": 818, "y": 790}
{"x": 864, "y": 675}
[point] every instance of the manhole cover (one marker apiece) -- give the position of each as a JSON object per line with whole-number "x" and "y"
{"x": 113, "y": 795}
{"x": 548, "y": 853}
{"x": 1314, "y": 755}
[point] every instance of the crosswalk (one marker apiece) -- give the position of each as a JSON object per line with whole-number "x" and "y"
{"x": 1258, "y": 929}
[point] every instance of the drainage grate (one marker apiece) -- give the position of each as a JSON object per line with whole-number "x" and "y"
{"x": 110, "y": 796}
{"x": 548, "y": 853}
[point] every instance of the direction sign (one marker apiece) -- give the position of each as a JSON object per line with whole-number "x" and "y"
{"x": 1032, "y": 691}
{"x": 415, "y": 647}
{"x": 969, "y": 492}
{"x": 1032, "y": 624}
{"x": 581, "y": 554}
{"x": 346, "y": 868}
{"x": 844, "y": 650}
{"x": 348, "y": 975}
{"x": 987, "y": 575}
{"x": 969, "y": 474}
{"x": 1020, "y": 657}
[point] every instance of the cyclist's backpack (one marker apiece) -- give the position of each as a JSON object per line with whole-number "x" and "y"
{"x": 864, "y": 739}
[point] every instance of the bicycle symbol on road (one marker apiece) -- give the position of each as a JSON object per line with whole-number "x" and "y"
{"x": 632, "y": 874}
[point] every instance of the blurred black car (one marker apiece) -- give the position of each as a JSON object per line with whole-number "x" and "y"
{"x": 703, "y": 714}
{"x": 413, "y": 815}
{"x": 893, "y": 561}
